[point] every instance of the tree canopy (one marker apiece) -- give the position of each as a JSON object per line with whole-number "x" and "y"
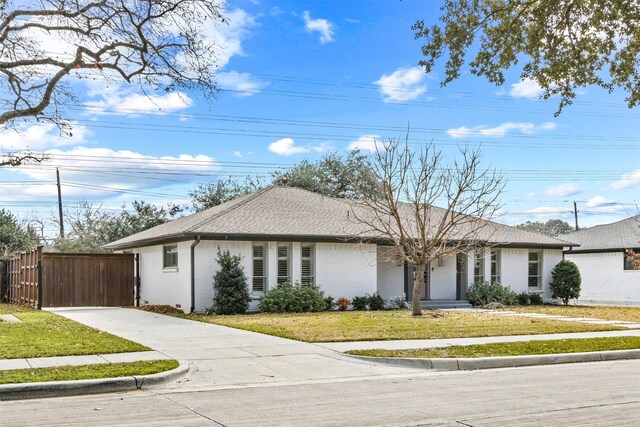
{"x": 91, "y": 227}
{"x": 14, "y": 237}
{"x": 349, "y": 176}
{"x": 155, "y": 44}
{"x": 561, "y": 46}
{"x": 553, "y": 227}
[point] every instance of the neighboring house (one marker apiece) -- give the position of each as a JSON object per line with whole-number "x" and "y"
{"x": 607, "y": 274}
{"x": 290, "y": 234}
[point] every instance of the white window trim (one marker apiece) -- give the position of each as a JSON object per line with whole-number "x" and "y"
{"x": 172, "y": 268}
{"x": 478, "y": 256}
{"x": 265, "y": 277}
{"x": 288, "y": 277}
{"x": 539, "y": 275}
{"x": 498, "y": 262}
{"x": 312, "y": 261}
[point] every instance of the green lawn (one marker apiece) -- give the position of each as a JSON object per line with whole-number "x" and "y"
{"x": 85, "y": 372}
{"x": 630, "y": 314}
{"x": 337, "y": 326}
{"x": 43, "y": 334}
{"x": 512, "y": 348}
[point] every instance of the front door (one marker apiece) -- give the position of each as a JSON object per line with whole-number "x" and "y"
{"x": 461, "y": 276}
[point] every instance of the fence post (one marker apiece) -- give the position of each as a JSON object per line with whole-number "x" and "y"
{"x": 137, "y": 285}
{"x": 39, "y": 307}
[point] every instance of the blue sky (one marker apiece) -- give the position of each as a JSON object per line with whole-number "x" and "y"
{"x": 302, "y": 78}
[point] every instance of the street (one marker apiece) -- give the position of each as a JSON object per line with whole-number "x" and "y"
{"x": 603, "y": 393}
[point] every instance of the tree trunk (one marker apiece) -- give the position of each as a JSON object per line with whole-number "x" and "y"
{"x": 418, "y": 283}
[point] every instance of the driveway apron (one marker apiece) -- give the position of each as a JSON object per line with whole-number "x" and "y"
{"x": 219, "y": 356}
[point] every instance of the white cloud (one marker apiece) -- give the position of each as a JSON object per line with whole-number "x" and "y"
{"x": 122, "y": 99}
{"x": 229, "y": 35}
{"x": 402, "y": 85}
{"x": 500, "y": 130}
{"x": 600, "y": 204}
{"x": 286, "y": 147}
{"x": 41, "y": 136}
{"x": 526, "y": 88}
{"x": 563, "y": 190}
{"x": 242, "y": 83}
{"x": 323, "y": 147}
{"x": 628, "y": 180}
{"x": 321, "y": 26}
{"x": 599, "y": 201}
{"x": 365, "y": 142}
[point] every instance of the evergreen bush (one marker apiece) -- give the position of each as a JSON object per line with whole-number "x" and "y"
{"x": 565, "y": 281}
{"x": 293, "y": 298}
{"x": 230, "y": 286}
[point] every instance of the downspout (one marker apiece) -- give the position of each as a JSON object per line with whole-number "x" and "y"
{"x": 193, "y": 274}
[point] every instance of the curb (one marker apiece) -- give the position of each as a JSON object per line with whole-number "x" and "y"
{"x": 470, "y": 364}
{"x": 94, "y": 386}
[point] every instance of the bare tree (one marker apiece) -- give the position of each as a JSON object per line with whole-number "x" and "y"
{"x": 405, "y": 213}
{"x": 21, "y": 158}
{"x": 156, "y": 44}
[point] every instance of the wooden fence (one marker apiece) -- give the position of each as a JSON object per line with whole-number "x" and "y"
{"x": 71, "y": 280}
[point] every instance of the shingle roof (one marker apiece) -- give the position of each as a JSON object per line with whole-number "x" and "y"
{"x": 623, "y": 234}
{"x": 293, "y": 213}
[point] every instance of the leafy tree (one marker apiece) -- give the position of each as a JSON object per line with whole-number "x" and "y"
{"x": 634, "y": 258}
{"x": 155, "y": 44}
{"x": 206, "y": 196}
{"x": 553, "y": 227}
{"x": 565, "y": 281}
{"x": 333, "y": 175}
{"x": 14, "y": 237}
{"x": 230, "y": 285}
{"x": 405, "y": 212}
{"x": 349, "y": 177}
{"x": 92, "y": 227}
{"x": 562, "y": 46}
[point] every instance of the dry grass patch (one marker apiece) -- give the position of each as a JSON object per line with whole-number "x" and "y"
{"x": 393, "y": 325}
{"x": 520, "y": 348}
{"x": 630, "y": 314}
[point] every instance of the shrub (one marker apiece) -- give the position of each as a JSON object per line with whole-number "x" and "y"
{"x": 523, "y": 298}
{"x": 343, "y": 303}
{"x": 530, "y": 298}
{"x": 397, "y": 303}
{"x": 329, "y": 304}
{"x": 376, "y": 302}
{"x": 360, "y": 302}
{"x": 230, "y": 286}
{"x": 480, "y": 294}
{"x": 565, "y": 281}
{"x": 535, "y": 298}
{"x": 290, "y": 298}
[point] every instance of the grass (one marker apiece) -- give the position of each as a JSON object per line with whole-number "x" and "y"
{"x": 86, "y": 372}
{"x": 512, "y": 348}
{"x": 630, "y": 314}
{"x": 338, "y": 326}
{"x": 43, "y": 334}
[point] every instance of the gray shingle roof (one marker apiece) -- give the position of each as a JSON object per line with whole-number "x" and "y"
{"x": 293, "y": 213}
{"x": 623, "y": 234}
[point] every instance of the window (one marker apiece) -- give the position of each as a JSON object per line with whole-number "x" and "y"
{"x": 478, "y": 266}
{"x": 535, "y": 275}
{"x": 284, "y": 274}
{"x": 628, "y": 265}
{"x": 170, "y": 256}
{"x": 495, "y": 266}
{"x": 306, "y": 260}
{"x": 259, "y": 274}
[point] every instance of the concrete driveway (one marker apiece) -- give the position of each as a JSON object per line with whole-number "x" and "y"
{"x": 225, "y": 357}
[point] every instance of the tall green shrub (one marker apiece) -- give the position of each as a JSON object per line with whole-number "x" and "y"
{"x": 565, "y": 281}
{"x": 230, "y": 286}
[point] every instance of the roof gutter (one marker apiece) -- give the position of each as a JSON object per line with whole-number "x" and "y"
{"x": 193, "y": 274}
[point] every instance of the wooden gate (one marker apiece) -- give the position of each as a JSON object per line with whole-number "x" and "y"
{"x": 72, "y": 280}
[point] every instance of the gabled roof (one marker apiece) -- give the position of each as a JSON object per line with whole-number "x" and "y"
{"x": 619, "y": 235}
{"x": 287, "y": 213}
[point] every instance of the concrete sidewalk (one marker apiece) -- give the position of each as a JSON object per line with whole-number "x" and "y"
{"x": 48, "y": 362}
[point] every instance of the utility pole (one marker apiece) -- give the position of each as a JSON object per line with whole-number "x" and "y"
{"x": 60, "y": 203}
{"x": 575, "y": 214}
